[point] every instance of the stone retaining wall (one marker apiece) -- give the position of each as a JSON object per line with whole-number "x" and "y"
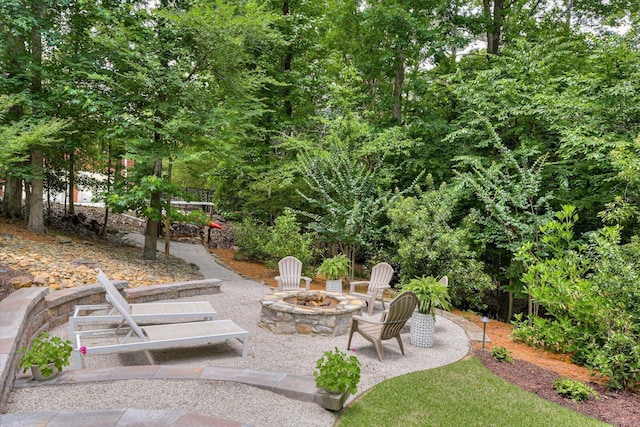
{"x": 28, "y": 311}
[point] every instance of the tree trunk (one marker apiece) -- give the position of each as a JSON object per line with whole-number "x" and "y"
{"x": 398, "y": 84}
{"x": 494, "y": 17}
{"x": 167, "y": 221}
{"x": 36, "y": 205}
{"x": 286, "y": 66}
{"x": 12, "y": 204}
{"x": 510, "y": 312}
{"x": 151, "y": 232}
{"x": 108, "y": 190}
{"x": 72, "y": 183}
{"x": 150, "y": 240}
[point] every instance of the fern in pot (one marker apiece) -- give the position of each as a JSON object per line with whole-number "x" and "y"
{"x": 431, "y": 294}
{"x": 334, "y": 269}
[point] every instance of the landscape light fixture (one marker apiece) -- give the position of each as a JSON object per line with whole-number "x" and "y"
{"x": 484, "y": 321}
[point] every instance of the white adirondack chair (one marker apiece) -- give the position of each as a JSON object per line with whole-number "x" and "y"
{"x": 290, "y": 269}
{"x": 380, "y": 278}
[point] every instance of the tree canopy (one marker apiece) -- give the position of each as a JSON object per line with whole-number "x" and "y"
{"x": 333, "y": 109}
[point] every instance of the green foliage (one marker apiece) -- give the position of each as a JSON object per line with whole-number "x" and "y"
{"x": 511, "y": 193}
{"x": 574, "y": 389}
{"x": 335, "y": 267}
{"x": 336, "y": 372}
{"x": 345, "y": 201}
{"x": 591, "y": 295}
{"x": 427, "y": 244}
{"x": 431, "y": 293}
{"x": 46, "y": 349}
{"x": 501, "y": 354}
{"x": 137, "y": 198}
{"x": 286, "y": 238}
{"x": 252, "y": 237}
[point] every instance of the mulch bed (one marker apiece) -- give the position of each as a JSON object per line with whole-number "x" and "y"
{"x": 614, "y": 407}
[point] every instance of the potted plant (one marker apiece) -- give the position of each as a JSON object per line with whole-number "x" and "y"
{"x": 431, "y": 293}
{"x": 46, "y": 356}
{"x": 334, "y": 269}
{"x": 338, "y": 376}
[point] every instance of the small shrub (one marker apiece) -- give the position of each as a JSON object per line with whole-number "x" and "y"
{"x": 337, "y": 372}
{"x": 574, "y": 389}
{"x": 252, "y": 237}
{"x": 285, "y": 238}
{"x": 501, "y": 354}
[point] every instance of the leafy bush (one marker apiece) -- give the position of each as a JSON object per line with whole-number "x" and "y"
{"x": 574, "y": 389}
{"x": 285, "y": 238}
{"x": 252, "y": 237}
{"x": 428, "y": 246}
{"x": 44, "y": 350}
{"x": 501, "y": 354}
{"x": 591, "y": 295}
{"x": 337, "y": 372}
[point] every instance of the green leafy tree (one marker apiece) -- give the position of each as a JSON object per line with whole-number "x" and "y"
{"x": 345, "y": 202}
{"x": 427, "y": 245}
{"x": 286, "y": 238}
{"x": 186, "y": 80}
{"x": 513, "y": 201}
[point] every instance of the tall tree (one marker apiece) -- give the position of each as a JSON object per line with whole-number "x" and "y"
{"x": 187, "y": 79}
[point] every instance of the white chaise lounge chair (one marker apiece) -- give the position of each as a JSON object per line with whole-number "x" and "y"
{"x": 156, "y": 312}
{"x": 157, "y": 337}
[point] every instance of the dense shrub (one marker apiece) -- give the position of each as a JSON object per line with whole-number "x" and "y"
{"x": 427, "y": 245}
{"x": 590, "y": 294}
{"x": 286, "y": 238}
{"x": 251, "y": 237}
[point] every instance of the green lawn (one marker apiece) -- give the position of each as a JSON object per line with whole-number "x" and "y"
{"x": 461, "y": 394}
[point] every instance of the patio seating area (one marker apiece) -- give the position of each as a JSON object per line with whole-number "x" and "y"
{"x": 286, "y": 354}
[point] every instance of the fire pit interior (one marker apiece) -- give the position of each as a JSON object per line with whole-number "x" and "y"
{"x": 312, "y": 299}
{"x": 305, "y": 312}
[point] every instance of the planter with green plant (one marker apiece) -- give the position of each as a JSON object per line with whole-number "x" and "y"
{"x": 337, "y": 375}
{"x": 46, "y": 356}
{"x": 334, "y": 269}
{"x": 431, "y": 294}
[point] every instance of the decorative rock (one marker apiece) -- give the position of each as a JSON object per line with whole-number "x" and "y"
{"x": 303, "y": 328}
{"x": 20, "y": 282}
{"x": 40, "y": 280}
{"x": 64, "y": 240}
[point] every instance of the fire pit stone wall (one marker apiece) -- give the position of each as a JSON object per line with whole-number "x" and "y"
{"x": 282, "y": 317}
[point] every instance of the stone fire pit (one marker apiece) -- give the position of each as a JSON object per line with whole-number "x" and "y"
{"x": 323, "y": 313}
